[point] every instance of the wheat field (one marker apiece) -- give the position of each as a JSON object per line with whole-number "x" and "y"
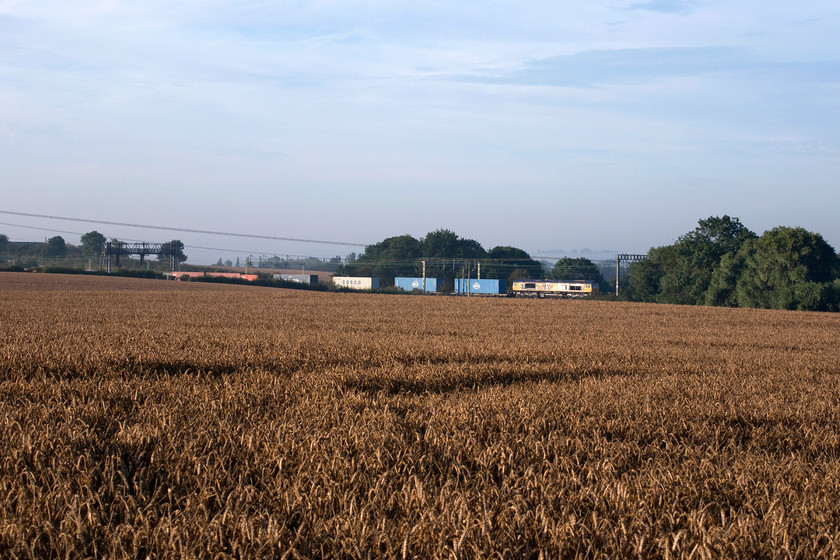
{"x": 156, "y": 419}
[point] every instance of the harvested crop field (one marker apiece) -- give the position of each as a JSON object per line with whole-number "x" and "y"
{"x": 163, "y": 419}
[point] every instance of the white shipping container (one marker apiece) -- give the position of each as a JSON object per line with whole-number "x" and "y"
{"x": 356, "y": 282}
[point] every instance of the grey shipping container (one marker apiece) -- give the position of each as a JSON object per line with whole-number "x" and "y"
{"x": 302, "y": 278}
{"x": 408, "y": 284}
{"x": 484, "y": 286}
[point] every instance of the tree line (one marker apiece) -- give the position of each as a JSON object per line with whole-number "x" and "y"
{"x": 449, "y": 256}
{"x": 723, "y": 263}
{"x": 52, "y": 248}
{"x": 57, "y": 250}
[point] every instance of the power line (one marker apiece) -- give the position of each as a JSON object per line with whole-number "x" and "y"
{"x": 51, "y": 230}
{"x": 185, "y": 230}
{"x": 198, "y": 247}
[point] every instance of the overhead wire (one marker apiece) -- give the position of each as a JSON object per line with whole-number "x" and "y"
{"x": 185, "y": 230}
{"x": 54, "y": 230}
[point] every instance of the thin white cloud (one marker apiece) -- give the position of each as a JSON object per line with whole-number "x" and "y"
{"x": 603, "y": 67}
{"x": 639, "y": 66}
{"x": 680, "y": 7}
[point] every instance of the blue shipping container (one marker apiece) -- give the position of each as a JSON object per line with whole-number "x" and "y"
{"x": 408, "y": 284}
{"x": 484, "y": 286}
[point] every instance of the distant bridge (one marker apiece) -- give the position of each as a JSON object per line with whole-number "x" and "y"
{"x": 119, "y": 248}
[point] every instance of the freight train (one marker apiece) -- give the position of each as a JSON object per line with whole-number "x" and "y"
{"x": 478, "y": 287}
{"x": 487, "y": 287}
{"x": 521, "y": 288}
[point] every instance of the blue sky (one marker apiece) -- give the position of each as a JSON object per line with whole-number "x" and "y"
{"x": 608, "y": 126}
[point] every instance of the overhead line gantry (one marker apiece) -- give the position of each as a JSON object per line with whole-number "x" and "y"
{"x": 628, "y": 257}
{"x": 118, "y": 248}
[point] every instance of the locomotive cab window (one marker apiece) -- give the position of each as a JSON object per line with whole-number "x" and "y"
{"x": 530, "y": 285}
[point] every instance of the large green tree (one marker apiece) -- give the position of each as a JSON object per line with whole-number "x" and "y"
{"x": 398, "y": 248}
{"x": 579, "y": 268}
{"x": 721, "y": 291}
{"x": 92, "y": 243}
{"x": 696, "y": 256}
{"x": 719, "y": 235}
{"x": 682, "y": 273}
{"x": 56, "y": 247}
{"x": 447, "y": 255}
{"x": 510, "y": 263}
{"x": 645, "y": 277}
{"x": 787, "y": 268}
{"x": 4, "y": 245}
{"x": 175, "y": 247}
{"x": 391, "y": 257}
{"x": 445, "y": 243}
